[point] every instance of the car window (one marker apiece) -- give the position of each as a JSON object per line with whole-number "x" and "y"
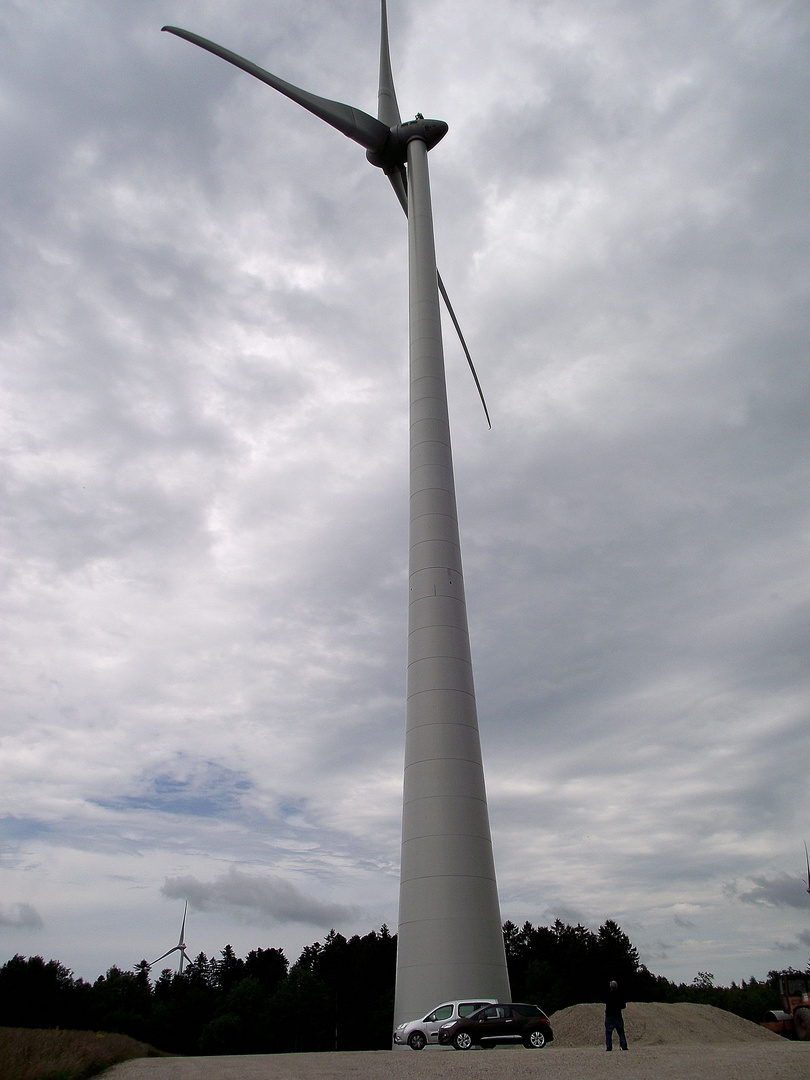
{"x": 494, "y": 1012}
{"x": 444, "y": 1013}
{"x": 467, "y": 1008}
{"x": 528, "y": 1010}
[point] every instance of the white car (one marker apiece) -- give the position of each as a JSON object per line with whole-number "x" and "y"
{"x": 418, "y": 1033}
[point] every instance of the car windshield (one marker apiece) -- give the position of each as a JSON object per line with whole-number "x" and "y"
{"x": 444, "y": 1012}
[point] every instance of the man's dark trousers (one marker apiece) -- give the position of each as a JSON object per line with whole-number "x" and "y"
{"x": 614, "y": 1023}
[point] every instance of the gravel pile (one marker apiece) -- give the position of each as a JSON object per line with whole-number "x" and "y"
{"x": 656, "y": 1024}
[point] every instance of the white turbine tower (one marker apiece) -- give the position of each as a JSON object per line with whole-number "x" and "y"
{"x": 179, "y": 947}
{"x": 450, "y": 940}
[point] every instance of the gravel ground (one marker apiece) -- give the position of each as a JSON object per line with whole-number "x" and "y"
{"x": 782, "y": 1061}
{"x": 667, "y": 1042}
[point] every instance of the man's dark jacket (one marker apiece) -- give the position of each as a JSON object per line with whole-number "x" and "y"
{"x": 614, "y": 1003}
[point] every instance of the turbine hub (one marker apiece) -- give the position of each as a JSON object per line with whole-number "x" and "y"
{"x": 393, "y": 154}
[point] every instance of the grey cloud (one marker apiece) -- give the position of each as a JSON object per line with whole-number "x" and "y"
{"x": 657, "y": 950}
{"x": 21, "y": 916}
{"x": 264, "y": 900}
{"x": 686, "y": 924}
{"x": 204, "y": 345}
{"x": 802, "y": 940}
{"x": 781, "y": 891}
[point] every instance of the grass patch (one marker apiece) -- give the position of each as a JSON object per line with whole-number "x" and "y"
{"x": 51, "y": 1054}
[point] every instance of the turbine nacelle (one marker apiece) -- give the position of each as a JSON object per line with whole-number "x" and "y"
{"x": 393, "y": 154}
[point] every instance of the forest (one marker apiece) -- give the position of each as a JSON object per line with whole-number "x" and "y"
{"x": 338, "y": 995}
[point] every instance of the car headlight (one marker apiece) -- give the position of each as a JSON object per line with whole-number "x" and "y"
{"x": 446, "y": 1027}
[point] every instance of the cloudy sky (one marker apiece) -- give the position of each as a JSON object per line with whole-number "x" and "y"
{"x": 203, "y": 331}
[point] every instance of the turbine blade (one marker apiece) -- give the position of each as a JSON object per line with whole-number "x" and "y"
{"x": 353, "y": 123}
{"x": 807, "y": 860}
{"x": 163, "y": 957}
{"x": 452, "y": 315}
{"x": 387, "y": 107}
{"x": 399, "y": 182}
{"x": 182, "y": 943}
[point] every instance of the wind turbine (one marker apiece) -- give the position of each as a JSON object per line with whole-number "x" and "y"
{"x": 179, "y": 947}
{"x": 807, "y": 860}
{"x": 450, "y": 940}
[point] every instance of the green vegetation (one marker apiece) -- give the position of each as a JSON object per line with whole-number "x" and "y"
{"x": 339, "y": 994}
{"x": 29, "y": 1054}
{"x": 563, "y": 965}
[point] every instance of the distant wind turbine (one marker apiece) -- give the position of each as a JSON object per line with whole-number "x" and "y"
{"x": 807, "y": 860}
{"x": 450, "y": 941}
{"x": 179, "y": 947}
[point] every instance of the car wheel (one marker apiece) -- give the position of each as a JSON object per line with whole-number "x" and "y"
{"x": 535, "y": 1040}
{"x": 417, "y": 1040}
{"x": 462, "y": 1041}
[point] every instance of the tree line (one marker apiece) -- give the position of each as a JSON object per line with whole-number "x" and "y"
{"x": 338, "y": 995}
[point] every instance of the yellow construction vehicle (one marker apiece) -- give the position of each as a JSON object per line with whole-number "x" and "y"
{"x": 793, "y": 1019}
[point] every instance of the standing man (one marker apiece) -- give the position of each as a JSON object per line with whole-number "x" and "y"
{"x": 614, "y": 1003}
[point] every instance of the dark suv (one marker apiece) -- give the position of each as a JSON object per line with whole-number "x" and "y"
{"x": 499, "y": 1023}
